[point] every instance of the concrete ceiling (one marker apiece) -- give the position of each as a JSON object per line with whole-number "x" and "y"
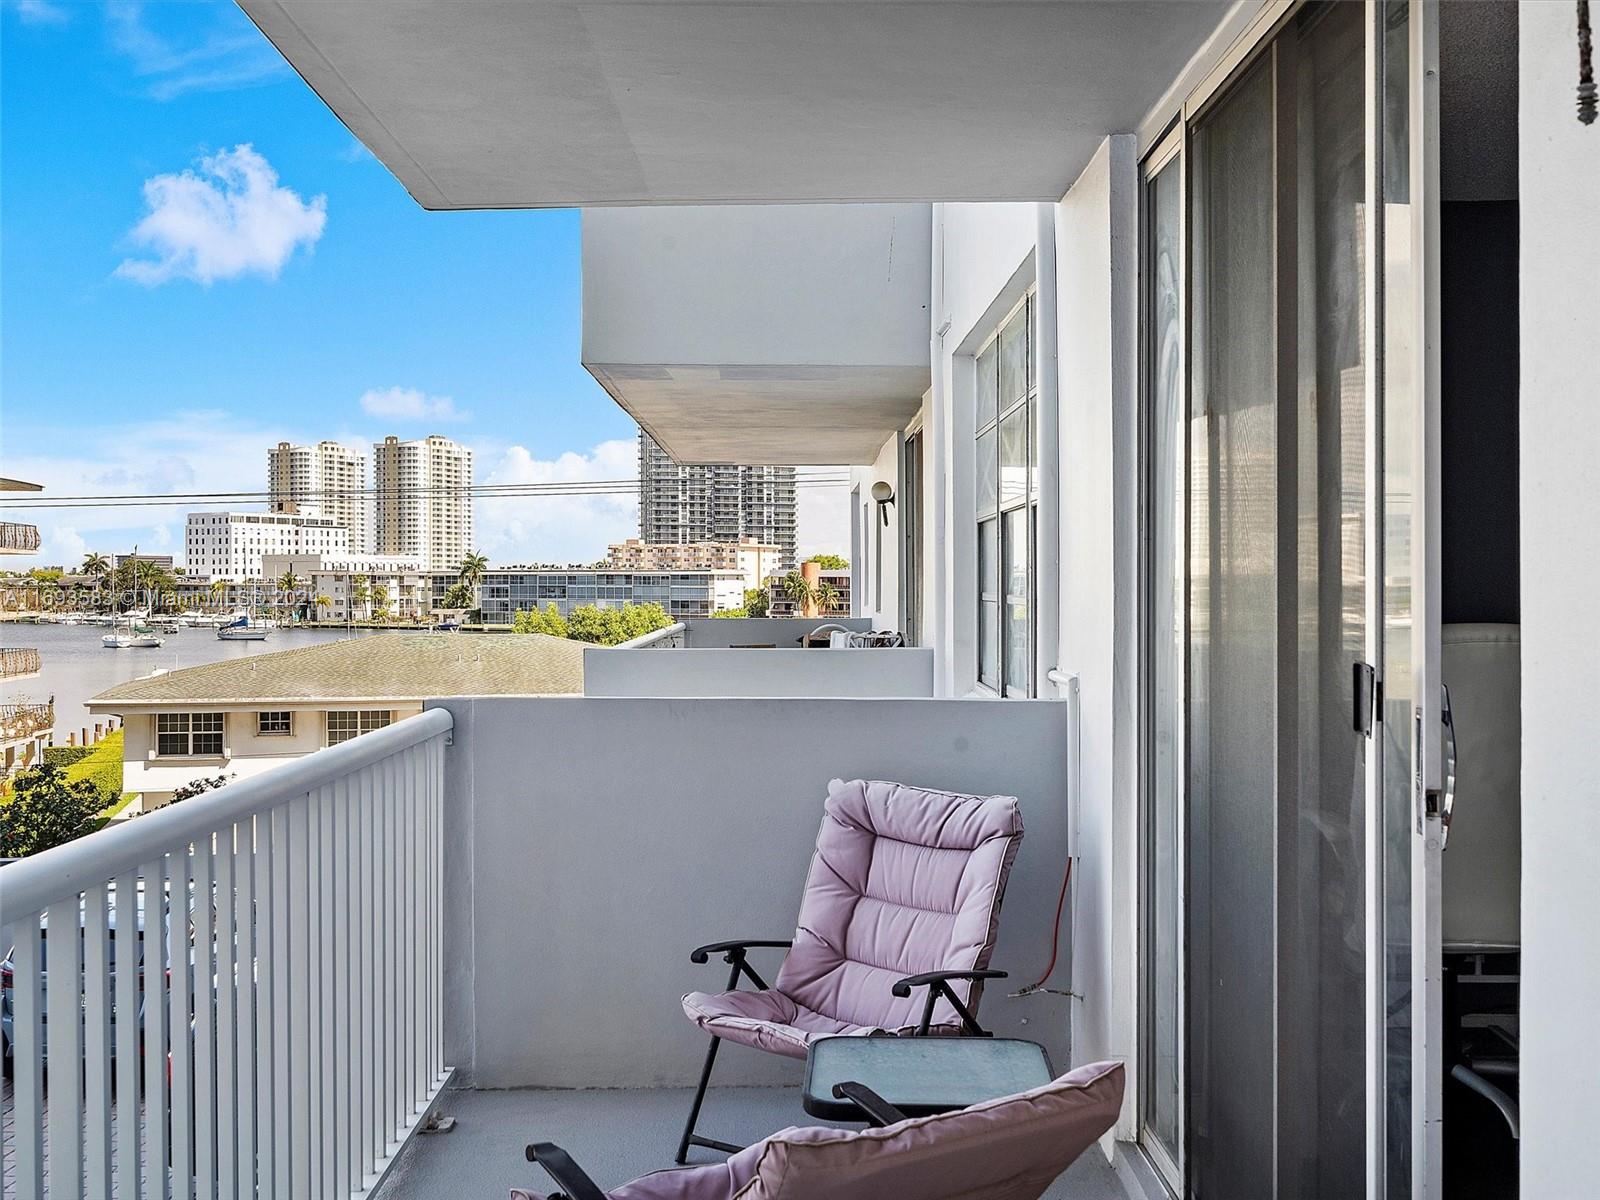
{"x": 534, "y": 103}
{"x": 767, "y": 416}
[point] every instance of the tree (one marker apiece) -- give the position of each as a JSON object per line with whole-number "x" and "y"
{"x": 550, "y": 621}
{"x": 98, "y": 568}
{"x": 460, "y": 595}
{"x": 828, "y": 598}
{"x": 196, "y": 787}
{"x": 380, "y": 601}
{"x": 47, "y": 809}
{"x": 798, "y": 589}
{"x": 757, "y": 602}
{"x": 360, "y": 592}
{"x": 324, "y": 603}
{"x": 219, "y": 589}
{"x": 830, "y": 562}
{"x": 473, "y": 567}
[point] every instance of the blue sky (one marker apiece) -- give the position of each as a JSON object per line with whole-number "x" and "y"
{"x": 198, "y": 260}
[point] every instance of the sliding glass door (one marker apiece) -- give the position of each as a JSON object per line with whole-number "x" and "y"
{"x": 1277, "y": 907}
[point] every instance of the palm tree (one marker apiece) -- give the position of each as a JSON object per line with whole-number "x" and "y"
{"x": 360, "y": 592}
{"x": 380, "y": 601}
{"x": 473, "y": 567}
{"x": 98, "y": 568}
{"x": 324, "y": 603}
{"x": 828, "y": 597}
{"x": 288, "y": 582}
{"x": 799, "y": 591}
{"x": 219, "y": 589}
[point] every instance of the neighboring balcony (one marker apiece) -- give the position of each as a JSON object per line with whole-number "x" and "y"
{"x": 18, "y": 539}
{"x": 499, "y": 893}
{"x": 18, "y": 662}
{"x": 18, "y": 721}
{"x": 757, "y": 656}
{"x": 761, "y": 335}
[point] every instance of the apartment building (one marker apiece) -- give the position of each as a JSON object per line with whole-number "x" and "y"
{"x": 753, "y": 559}
{"x": 325, "y": 480}
{"x": 423, "y": 502}
{"x": 356, "y": 586}
{"x": 232, "y": 545}
{"x": 684, "y": 505}
{"x": 686, "y": 593}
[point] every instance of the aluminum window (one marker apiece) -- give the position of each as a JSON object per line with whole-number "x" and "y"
{"x": 1006, "y": 455}
{"x": 274, "y": 724}
{"x": 342, "y": 726}
{"x": 188, "y": 735}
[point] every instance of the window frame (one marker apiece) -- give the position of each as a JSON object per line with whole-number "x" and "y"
{"x": 1024, "y": 408}
{"x": 288, "y": 722}
{"x": 364, "y": 720}
{"x": 190, "y": 727}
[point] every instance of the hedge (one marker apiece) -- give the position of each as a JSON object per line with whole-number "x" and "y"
{"x": 65, "y": 756}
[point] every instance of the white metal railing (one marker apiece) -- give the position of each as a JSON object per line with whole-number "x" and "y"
{"x": 673, "y": 636}
{"x": 292, "y": 1038}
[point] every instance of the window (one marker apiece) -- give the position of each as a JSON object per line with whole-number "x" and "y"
{"x": 274, "y": 724}
{"x": 188, "y": 735}
{"x": 342, "y": 726}
{"x": 1007, "y": 502}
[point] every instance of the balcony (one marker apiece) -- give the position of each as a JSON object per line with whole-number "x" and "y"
{"x": 18, "y": 539}
{"x": 487, "y": 896}
{"x": 19, "y": 721}
{"x": 759, "y": 656}
{"x": 809, "y": 320}
{"x": 18, "y": 662}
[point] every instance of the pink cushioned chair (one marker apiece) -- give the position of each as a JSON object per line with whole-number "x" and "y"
{"x": 1012, "y": 1148}
{"x": 904, "y": 892}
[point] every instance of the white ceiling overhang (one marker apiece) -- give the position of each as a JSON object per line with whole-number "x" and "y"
{"x": 531, "y": 104}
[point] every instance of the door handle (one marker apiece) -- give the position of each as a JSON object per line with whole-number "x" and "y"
{"x": 1447, "y": 807}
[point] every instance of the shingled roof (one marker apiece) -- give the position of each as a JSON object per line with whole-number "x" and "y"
{"x": 385, "y": 666}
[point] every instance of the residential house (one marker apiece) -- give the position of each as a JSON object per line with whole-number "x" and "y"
{"x": 241, "y": 717}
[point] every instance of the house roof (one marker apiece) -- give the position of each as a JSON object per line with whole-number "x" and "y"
{"x": 387, "y": 666}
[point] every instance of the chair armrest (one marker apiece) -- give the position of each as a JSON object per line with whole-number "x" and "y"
{"x": 938, "y": 984}
{"x": 569, "y": 1176}
{"x": 931, "y": 978}
{"x": 878, "y": 1110}
{"x": 733, "y": 953}
{"x": 703, "y": 953}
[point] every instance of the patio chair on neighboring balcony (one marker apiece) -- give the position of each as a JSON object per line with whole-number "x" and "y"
{"x": 1012, "y": 1148}
{"x": 904, "y": 893}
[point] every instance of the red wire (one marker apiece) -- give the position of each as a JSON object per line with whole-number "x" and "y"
{"x": 1055, "y": 936}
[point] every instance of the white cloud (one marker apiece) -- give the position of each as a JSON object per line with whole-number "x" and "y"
{"x": 409, "y": 404}
{"x": 41, "y": 12}
{"x": 230, "y": 217}
{"x": 226, "y": 56}
{"x": 559, "y": 528}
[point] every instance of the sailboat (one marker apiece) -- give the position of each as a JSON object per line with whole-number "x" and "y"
{"x": 131, "y": 633}
{"x": 242, "y": 629}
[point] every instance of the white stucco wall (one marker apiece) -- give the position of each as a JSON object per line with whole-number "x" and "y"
{"x": 1560, "y": 447}
{"x": 983, "y": 263}
{"x": 878, "y": 598}
{"x": 1096, "y": 270}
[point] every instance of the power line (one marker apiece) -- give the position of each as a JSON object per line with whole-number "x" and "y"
{"x": 524, "y": 491}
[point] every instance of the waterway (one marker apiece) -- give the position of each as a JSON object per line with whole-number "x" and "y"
{"x": 74, "y": 666}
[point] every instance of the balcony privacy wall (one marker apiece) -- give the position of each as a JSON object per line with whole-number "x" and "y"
{"x": 591, "y": 844}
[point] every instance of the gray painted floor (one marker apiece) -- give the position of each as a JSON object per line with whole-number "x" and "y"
{"x": 615, "y": 1136}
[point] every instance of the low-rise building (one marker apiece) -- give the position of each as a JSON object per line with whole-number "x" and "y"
{"x": 754, "y": 558}
{"x": 507, "y": 590}
{"x": 231, "y": 545}
{"x": 243, "y": 716}
{"x": 781, "y": 604}
{"x": 353, "y": 584}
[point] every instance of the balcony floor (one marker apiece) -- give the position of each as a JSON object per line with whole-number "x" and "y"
{"x": 615, "y": 1135}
